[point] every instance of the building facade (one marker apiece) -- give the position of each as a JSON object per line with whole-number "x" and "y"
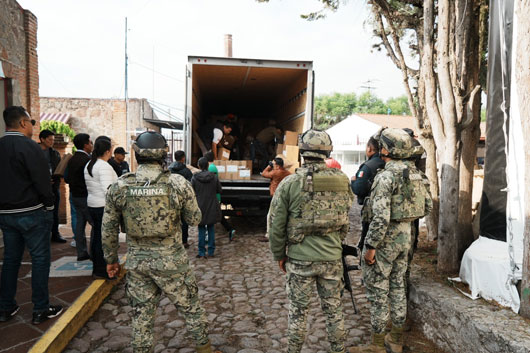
{"x": 19, "y": 71}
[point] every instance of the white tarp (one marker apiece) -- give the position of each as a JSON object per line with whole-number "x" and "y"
{"x": 486, "y": 269}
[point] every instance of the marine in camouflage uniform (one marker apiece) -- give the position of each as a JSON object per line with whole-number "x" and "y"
{"x": 153, "y": 204}
{"x": 398, "y": 197}
{"x": 307, "y": 222}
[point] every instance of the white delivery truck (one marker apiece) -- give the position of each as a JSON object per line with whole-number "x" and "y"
{"x": 256, "y": 91}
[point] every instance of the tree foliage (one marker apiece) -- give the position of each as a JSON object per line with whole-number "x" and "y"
{"x": 331, "y": 109}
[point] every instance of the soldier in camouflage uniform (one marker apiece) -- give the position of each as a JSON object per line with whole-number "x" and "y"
{"x": 397, "y": 198}
{"x": 308, "y": 220}
{"x": 153, "y": 203}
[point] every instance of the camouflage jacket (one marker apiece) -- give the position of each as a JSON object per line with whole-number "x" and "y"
{"x": 287, "y": 205}
{"x": 384, "y": 188}
{"x": 183, "y": 198}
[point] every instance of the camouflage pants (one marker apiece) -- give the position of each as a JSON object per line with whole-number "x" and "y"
{"x": 301, "y": 279}
{"x": 144, "y": 287}
{"x": 385, "y": 280}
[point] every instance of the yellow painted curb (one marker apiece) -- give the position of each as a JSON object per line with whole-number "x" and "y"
{"x": 57, "y": 337}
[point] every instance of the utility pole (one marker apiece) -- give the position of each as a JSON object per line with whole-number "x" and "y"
{"x": 368, "y": 85}
{"x": 126, "y": 79}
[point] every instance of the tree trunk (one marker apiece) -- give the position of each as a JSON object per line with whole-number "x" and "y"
{"x": 522, "y": 72}
{"x": 471, "y": 134}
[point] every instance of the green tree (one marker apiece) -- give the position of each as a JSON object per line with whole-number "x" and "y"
{"x": 398, "y": 105}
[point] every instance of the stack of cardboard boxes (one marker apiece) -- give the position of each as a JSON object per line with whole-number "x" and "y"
{"x": 234, "y": 170}
{"x": 289, "y": 149}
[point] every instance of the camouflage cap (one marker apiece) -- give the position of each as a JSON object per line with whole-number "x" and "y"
{"x": 397, "y": 142}
{"x": 315, "y": 143}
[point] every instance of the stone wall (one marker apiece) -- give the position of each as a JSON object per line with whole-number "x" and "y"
{"x": 456, "y": 323}
{"x": 18, "y": 57}
{"x": 99, "y": 117}
{"x": 102, "y": 116}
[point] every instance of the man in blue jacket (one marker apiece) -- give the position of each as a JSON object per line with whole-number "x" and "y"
{"x": 26, "y": 215}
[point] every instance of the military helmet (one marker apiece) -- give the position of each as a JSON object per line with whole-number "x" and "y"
{"x": 397, "y": 142}
{"x": 315, "y": 143}
{"x": 150, "y": 146}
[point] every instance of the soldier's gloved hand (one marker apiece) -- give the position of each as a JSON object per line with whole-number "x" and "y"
{"x": 113, "y": 270}
{"x": 281, "y": 263}
{"x": 369, "y": 256}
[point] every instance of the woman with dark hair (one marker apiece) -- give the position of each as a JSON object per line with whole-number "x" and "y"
{"x": 206, "y": 185}
{"x": 98, "y": 176}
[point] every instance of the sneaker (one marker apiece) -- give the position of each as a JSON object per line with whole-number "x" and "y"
{"x": 6, "y": 315}
{"x": 200, "y": 256}
{"x": 231, "y": 234}
{"x": 40, "y": 317}
{"x": 72, "y": 244}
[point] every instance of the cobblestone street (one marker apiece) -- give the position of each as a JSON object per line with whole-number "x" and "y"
{"x": 243, "y": 293}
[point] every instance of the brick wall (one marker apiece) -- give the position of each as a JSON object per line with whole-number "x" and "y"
{"x": 18, "y": 57}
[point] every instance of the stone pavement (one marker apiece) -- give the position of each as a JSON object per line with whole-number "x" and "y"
{"x": 243, "y": 293}
{"x": 18, "y": 334}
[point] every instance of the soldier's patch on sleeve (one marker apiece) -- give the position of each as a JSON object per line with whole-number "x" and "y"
{"x": 360, "y": 174}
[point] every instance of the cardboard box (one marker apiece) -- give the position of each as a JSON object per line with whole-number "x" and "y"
{"x": 244, "y": 174}
{"x": 221, "y": 169}
{"x": 290, "y": 138}
{"x": 291, "y": 153}
{"x": 223, "y": 154}
{"x": 280, "y": 148}
{"x": 232, "y": 170}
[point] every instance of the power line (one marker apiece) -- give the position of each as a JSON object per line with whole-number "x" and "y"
{"x": 158, "y": 72}
{"x": 165, "y": 105}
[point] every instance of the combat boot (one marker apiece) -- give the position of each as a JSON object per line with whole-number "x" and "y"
{"x": 377, "y": 345}
{"x": 205, "y": 348}
{"x": 394, "y": 340}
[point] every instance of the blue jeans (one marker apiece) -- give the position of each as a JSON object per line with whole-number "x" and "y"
{"x": 73, "y": 215}
{"x": 211, "y": 239}
{"x": 31, "y": 229}
{"x": 83, "y": 217}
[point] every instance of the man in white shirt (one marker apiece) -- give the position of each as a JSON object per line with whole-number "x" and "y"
{"x": 218, "y": 135}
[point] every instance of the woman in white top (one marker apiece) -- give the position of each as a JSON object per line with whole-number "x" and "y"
{"x": 98, "y": 176}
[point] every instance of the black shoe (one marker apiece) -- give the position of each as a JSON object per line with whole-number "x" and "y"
{"x": 40, "y": 317}
{"x": 57, "y": 238}
{"x": 6, "y": 315}
{"x": 83, "y": 257}
{"x": 102, "y": 275}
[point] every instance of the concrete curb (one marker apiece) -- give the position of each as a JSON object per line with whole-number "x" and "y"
{"x": 57, "y": 337}
{"x": 456, "y": 323}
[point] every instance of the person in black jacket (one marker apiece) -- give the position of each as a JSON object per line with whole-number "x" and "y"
{"x": 361, "y": 182}
{"x": 26, "y": 215}
{"x": 47, "y": 139}
{"x": 206, "y": 185}
{"x": 179, "y": 167}
{"x": 118, "y": 162}
{"x": 75, "y": 177}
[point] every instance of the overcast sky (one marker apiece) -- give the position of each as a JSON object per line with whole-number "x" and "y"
{"x": 81, "y": 44}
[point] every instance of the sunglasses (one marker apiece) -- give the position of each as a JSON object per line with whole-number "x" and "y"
{"x": 32, "y": 121}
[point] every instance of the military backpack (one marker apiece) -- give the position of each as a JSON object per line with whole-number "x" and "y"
{"x": 325, "y": 201}
{"x": 150, "y": 209}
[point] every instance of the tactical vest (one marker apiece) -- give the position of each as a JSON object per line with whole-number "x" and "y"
{"x": 324, "y": 205}
{"x": 149, "y": 209}
{"x": 408, "y": 201}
